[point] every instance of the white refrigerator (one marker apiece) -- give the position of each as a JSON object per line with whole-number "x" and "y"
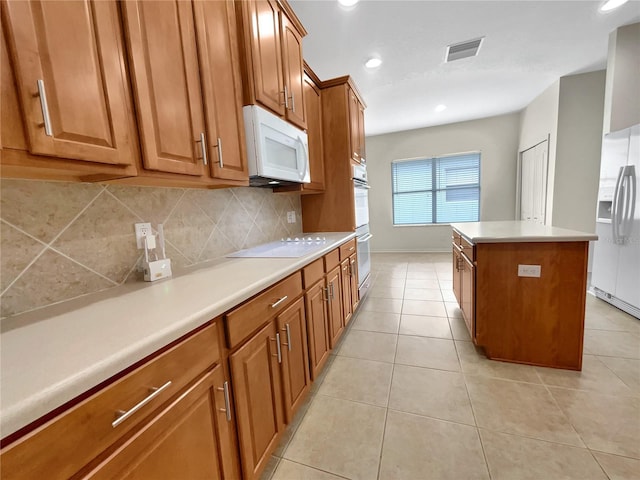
{"x": 615, "y": 276}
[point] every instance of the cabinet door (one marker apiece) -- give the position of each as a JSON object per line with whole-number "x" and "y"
{"x": 295, "y": 358}
{"x": 257, "y": 390}
{"x": 313, "y": 107}
{"x": 182, "y": 441}
{"x": 353, "y": 274}
{"x": 293, "y": 73}
{"x": 354, "y": 128}
{"x": 456, "y": 274}
{"x": 317, "y": 327}
{"x": 73, "y": 51}
{"x": 468, "y": 287}
{"x": 164, "y": 67}
{"x": 347, "y": 307}
{"x": 263, "y": 23}
{"x": 336, "y": 323}
{"x": 361, "y": 151}
{"x": 221, "y": 88}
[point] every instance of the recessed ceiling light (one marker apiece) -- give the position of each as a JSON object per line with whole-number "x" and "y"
{"x": 440, "y": 108}
{"x": 611, "y": 4}
{"x": 373, "y": 62}
{"x": 348, "y": 3}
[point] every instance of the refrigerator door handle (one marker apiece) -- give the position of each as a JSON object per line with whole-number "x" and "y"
{"x": 615, "y": 207}
{"x": 630, "y": 197}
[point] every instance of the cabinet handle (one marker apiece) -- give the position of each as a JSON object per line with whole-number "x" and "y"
{"x": 293, "y": 102}
{"x": 219, "y": 145}
{"x": 122, "y": 415}
{"x": 275, "y": 304}
{"x": 286, "y": 98}
{"x": 331, "y": 296}
{"x": 288, "y": 330}
{"x": 326, "y": 292}
{"x": 278, "y": 348}
{"x": 203, "y": 147}
{"x": 227, "y": 405}
{"x": 45, "y": 109}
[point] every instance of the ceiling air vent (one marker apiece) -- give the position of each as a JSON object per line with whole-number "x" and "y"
{"x": 466, "y": 49}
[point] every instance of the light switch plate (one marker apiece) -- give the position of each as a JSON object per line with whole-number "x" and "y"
{"x": 529, "y": 270}
{"x": 291, "y": 216}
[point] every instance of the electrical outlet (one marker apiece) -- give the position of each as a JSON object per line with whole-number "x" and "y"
{"x": 291, "y": 216}
{"x": 142, "y": 230}
{"x": 529, "y": 270}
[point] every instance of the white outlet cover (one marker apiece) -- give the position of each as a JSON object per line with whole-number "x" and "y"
{"x": 291, "y": 216}
{"x": 142, "y": 230}
{"x": 529, "y": 271}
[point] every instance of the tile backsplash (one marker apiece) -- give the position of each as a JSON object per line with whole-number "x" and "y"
{"x": 63, "y": 240}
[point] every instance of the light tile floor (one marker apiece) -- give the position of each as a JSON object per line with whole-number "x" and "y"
{"x": 406, "y": 395}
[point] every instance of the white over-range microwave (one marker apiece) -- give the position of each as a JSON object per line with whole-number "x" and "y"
{"x": 277, "y": 152}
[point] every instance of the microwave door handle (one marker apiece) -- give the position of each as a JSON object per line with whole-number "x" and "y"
{"x": 306, "y": 156}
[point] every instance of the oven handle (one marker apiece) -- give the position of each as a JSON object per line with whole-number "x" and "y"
{"x": 365, "y": 238}
{"x": 361, "y": 185}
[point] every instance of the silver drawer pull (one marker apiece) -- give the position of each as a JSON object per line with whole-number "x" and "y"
{"x": 227, "y": 405}
{"x": 326, "y": 294}
{"x": 331, "y": 295}
{"x": 220, "y": 153}
{"x": 352, "y": 249}
{"x": 275, "y": 304}
{"x": 122, "y": 415}
{"x": 45, "y": 109}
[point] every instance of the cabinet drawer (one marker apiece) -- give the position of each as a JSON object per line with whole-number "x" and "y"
{"x": 312, "y": 273}
{"x": 455, "y": 237}
{"x": 331, "y": 260}
{"x": 468, "y": 249}
{"x": 67, "y": 443}
{"x": 246, "y": 319}
{"x": 347, "y": 249}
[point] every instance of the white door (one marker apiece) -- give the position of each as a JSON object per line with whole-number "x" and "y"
{"x": 533, "y": 183}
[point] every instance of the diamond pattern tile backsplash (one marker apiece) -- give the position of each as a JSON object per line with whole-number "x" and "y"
{"x": 62, "y": 240}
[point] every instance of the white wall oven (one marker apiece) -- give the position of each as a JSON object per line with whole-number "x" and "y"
{"x": 363, "y": 235}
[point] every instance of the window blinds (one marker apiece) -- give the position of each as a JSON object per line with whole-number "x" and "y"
{"x": 436, "y": 190}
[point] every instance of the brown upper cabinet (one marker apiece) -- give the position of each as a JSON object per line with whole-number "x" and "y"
{"x": 271, "y": 38}
{"x": 356, "y": 127}
{"x": 64, "y": 79}
{"x": 185, "y": 74}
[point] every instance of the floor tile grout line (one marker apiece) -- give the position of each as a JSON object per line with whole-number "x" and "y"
{"x": 566, "y": 417}
{"x": 316, "y": 468}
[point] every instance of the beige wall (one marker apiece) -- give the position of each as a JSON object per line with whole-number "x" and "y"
{"x": 62, "y": 240}
{"x": 497, "y": 140}
{"x": 578, "y": 150}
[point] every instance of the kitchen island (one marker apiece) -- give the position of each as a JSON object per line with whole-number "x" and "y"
{"x": 522, "y": 290}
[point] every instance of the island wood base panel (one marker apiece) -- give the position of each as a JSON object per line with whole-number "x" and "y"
{"x": 531, "y": 320}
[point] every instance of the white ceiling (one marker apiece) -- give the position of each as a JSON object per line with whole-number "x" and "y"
{"x": 528, "y": 45}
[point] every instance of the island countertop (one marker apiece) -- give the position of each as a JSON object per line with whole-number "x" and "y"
{"x": 518, "y": 231}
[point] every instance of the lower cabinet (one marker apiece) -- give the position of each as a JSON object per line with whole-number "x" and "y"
{"x": 334, "y": 300}
{"x": 353, "y": 273}
{"x": 317, "y": 326}
{"x": 257, "y": 388}
{"x": 345, "y": 280}
{"x": 180, "y": 440}
{"x": 468, "y": 288}
{"x": 295, "y": 358}
{"x": 457, "y": 258}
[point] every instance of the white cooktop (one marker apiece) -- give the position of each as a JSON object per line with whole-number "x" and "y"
{"x": 291, "y": 247}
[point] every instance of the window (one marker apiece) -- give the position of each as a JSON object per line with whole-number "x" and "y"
{"x": 436, "y": 190}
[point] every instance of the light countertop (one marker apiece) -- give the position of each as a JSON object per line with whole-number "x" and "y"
{"x": 516, "y": 231}
{"x": 50, "y": 356}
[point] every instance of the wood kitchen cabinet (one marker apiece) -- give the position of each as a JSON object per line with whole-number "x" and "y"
{"x": 67, "y": 111}
{"x": 353, "y": 274}
{"x": 336, "y": 317}
{"x": 271, "y": 39}
{"x": 316, "y": 299}
{"x": 185, "y": 440}
{"x": 295, "y": 357}
{"x": 356, "y": 127}
{"x": 257, "y": 388}
{"x": 345, "y": 280}
{"x": 464, "y": 286}
{"x": 130, "y": 430}
{"x": 334, "y": 209}
{"x": 184, "y": 69}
